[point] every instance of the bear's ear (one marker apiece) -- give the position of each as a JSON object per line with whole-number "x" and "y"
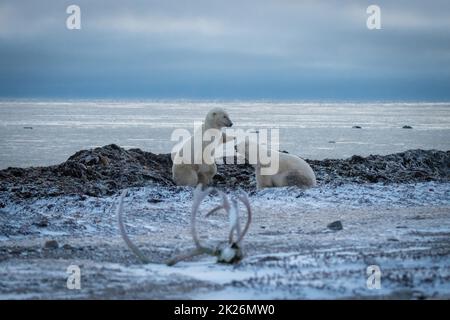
{"x": 214, "y": 114}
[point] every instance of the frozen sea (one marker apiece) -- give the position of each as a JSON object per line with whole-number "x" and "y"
{"x": 40, "y": 133}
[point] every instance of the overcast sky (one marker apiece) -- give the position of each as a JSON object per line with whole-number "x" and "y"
{"x": 207, "y": 49}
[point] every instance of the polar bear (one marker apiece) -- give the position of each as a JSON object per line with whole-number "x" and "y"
{"x": 292, "y": 170}
{"x": 189, "y": 173}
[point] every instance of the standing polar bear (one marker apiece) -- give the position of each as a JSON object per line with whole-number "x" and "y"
{"x": 292, "y": 170}
{"x": 188, "y": 172}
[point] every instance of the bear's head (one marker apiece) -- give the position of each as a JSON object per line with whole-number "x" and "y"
{"x": 218, "y": 118}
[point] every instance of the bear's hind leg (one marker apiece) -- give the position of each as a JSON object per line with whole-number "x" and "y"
{"x": 185, "y": 177}
{"x": 295, "y": 178}
{"x": 263, "y": 182}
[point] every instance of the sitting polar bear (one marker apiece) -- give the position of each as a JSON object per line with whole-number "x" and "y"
{"x": 292, "y": 170}
{"x": 187, "y": 172}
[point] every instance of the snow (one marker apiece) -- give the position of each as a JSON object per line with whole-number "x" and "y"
{"x": 289, "y": 252}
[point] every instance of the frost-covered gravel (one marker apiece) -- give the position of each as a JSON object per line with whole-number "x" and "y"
{"x": 290, "y": 252}
{"x": 152, "y": 206}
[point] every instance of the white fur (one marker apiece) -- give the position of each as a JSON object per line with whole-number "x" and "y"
{"x": 292, "y": 170}
{"x": 190, "y": 174}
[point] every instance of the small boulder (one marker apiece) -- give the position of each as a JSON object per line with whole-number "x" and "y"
{"x": 51, "y": 244}
{"x": 42, "y": 222}
{"x": 91, "y": 160}
{"x": 356, "y": 127}
{"x": 154, "y": 200}
{"x": 104, "y": 160}
{"x": 67, "y": 247}
{"x": 335, "y": 226}
{"x": 406, "y": 127}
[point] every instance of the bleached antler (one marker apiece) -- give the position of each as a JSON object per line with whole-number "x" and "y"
{"x": 231, "y": 251}
{"x": 199, "y": 195}
{"x": 244, "y": 199}
{"x": 233, "y": 217}
{"x": 123, "y": 232}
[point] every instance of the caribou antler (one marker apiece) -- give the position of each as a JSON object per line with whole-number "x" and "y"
{"x": 229, "y": 252}
{"x": 244, "y": 199}
{"x": 199, "y": 195}
{"x": 123, "y": 232}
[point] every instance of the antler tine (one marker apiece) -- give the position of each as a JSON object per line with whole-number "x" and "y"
{"x": 190, "y": 254}
{"x": 238, "y": 218}
{"x": 225, "y": 204}
{"x": 214, "y": 210}
{"x": 125, "y": 237}
{"x": 235, "y": 224}
{"x": 244, "y": 199}
{"x": 199, "y": 195}
{"x": 228, "y": 208}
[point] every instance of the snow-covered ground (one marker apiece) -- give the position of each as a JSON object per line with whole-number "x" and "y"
{"x": 290, "y": 253}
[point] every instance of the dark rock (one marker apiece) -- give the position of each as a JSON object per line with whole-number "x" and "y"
{"x": 335, "y": 226}
{"x": 406, "y": 127}
{"x": 356, "y": 127}
{"x": 104, "y": 160}
{"x": 26, "y": 194}
{"x": 51, "y": 244}
{"x": 16, "y": 172}
{"x": 91, "y": 160}
{"x": 394, "y": 168}
{"x": 154, "y": 200}
{"x": 356, "y": 159}
{"x": 15, "y": 251}
{"x": 42, "y": 222}
{"x": 73, "y": 169}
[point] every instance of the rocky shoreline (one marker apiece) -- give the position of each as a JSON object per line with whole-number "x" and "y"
{"x": 105, "y": 170}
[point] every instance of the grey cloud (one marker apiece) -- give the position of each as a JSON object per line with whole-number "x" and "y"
{"x": 170, "y": 48}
